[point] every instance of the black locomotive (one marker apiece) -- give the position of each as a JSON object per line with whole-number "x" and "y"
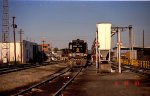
{"x": 78, "y": 53}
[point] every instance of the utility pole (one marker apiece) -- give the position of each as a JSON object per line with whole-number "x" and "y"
{"x": 118, "y": 30}
{"x": 143, "y": 50}
{"x": 43, "y": 50}
{"x": 143, "y": 39}
{"x": 130, "y": 44}
{"x": 96, "y": 49}
{"x": 14, "y": 26}
{"x": 21, "y": 32}
{"x": 119, "y": 47}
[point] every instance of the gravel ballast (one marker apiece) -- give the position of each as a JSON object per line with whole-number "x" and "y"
{"x": 17, "y": 79}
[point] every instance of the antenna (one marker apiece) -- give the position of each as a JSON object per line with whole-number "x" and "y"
{"x": 5, "y": 56}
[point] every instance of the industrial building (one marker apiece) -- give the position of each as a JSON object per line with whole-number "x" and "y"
{"x": 139, "y": 53}
{"x": 30, "y": 52}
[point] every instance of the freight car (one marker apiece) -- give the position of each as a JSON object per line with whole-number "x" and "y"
{"x": 78, "y": 53}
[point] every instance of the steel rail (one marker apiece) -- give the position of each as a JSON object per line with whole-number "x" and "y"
{"x": 66, "y": 84}
{"x": 21, "y": 67}
{"x": 9, "y": 70}
{"x": 52, "y": 77}
{"x": 134, "y": 70}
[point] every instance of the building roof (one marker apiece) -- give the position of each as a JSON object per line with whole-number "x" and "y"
{"x": 134, "y": 48}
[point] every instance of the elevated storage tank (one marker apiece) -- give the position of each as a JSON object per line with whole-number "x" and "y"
{"x": 104, "y": 39}
{"x": 104, "y": 35}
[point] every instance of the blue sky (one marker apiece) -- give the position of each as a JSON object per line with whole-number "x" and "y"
{"x": 60, "y": 22}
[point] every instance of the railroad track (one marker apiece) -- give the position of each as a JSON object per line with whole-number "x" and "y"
{"x": 54, "y": 85}
{"x": 66, "y": 84}
{"x": 9, "y": 69}
{"x": 139, "y": 71}
{"x": 15, "y": 68}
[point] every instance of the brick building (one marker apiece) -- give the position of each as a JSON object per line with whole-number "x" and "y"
{"x": 45, "y": 47}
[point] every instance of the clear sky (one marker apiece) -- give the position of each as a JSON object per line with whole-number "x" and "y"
{"x": 58, "y": 22}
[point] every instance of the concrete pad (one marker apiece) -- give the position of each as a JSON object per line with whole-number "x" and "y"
{"x": 91, "y": 83}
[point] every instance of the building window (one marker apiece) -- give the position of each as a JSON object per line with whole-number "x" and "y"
{"x": 44, "y": 46}
{"x": 25, "y": 44}
{"x": 27, "y": 54}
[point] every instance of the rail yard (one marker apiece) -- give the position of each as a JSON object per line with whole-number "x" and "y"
{"x": 58, "y": 79}
{"x": 111, "y": 66}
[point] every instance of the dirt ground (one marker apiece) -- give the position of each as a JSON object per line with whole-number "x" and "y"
{"x": 17, "y": 79}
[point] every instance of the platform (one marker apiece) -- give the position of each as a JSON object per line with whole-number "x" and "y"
{"x": 91, "y": 83}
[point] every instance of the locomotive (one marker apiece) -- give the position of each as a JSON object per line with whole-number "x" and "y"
{"x": 78, "y": 53}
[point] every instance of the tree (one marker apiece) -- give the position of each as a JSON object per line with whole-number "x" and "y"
{"x": 55, "y": 50}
